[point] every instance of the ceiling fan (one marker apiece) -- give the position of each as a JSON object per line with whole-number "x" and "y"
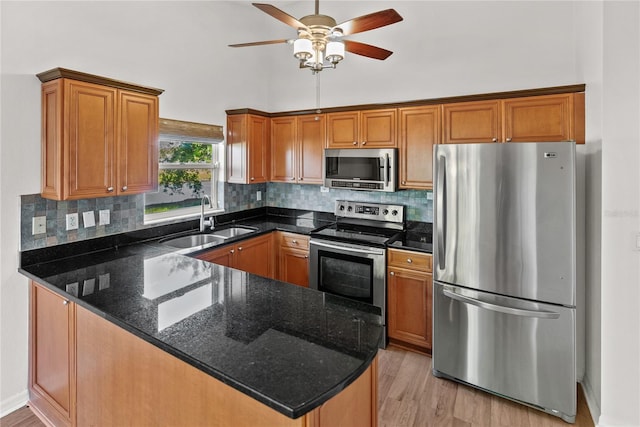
{"x": 320, "y": 42}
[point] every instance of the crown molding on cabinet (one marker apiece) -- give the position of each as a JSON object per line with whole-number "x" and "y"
{"x": 64, "y": 73}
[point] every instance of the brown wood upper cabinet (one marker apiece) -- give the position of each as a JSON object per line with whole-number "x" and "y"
{"x": 97, "y": 140}
{"x": 248, "y": 149}
{"x": 362, "y": 129}
{"x": 419, "y": 131}
{"x": 52, "y": 357}
{"x": 297, "y": 144}
{"x": 542, "y": 118}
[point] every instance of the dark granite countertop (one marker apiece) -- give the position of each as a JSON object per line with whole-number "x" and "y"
{"x": 289, "y": 347}
{"x": 417, "y": 237}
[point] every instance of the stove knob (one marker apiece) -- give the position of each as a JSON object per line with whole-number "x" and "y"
{"x": 341, "y": 207}
{"x": 350, "y": 208}
{"x": 394, "y": 212}
{"x": 385, "y": 211}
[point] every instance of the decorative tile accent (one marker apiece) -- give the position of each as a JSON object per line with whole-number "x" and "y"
{"x": 419, "y": 203}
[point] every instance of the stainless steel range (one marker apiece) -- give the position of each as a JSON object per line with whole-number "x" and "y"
{"x": 348, "y": 258}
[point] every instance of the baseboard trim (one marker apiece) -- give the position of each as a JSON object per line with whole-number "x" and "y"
{"x": 13, "y": 403}
{"x": 592, "y": 402}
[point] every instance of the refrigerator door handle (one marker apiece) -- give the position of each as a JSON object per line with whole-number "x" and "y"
{"x": 501, "y": 308}
{"x": 441, "y": 199}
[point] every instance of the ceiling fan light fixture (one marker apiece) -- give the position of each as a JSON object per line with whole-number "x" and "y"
{"x": 335, "y": 52}
{"x": 302, "y": 49}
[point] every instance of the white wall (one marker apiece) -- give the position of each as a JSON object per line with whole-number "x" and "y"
{"x": 441, "y": 49}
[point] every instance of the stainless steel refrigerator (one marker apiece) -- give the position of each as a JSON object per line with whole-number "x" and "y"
{"x": 504, "y": 297}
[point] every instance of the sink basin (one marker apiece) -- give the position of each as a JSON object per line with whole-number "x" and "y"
{"x": 193, "y": 241}
{"x": 227, "y": 233}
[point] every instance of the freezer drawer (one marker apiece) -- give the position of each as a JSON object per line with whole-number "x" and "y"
{"x": 515, "y": 348}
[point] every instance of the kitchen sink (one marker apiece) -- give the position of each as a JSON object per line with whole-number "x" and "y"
{"x": 193, "y": 241}
{"x": 230, "y": 232}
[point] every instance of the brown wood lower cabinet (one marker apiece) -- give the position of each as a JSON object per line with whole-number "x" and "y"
{"x": 255, "y": 255}
{"x": 52, "y": 353}
{"x": 123, "y": 380}
{"x": 409, "y": 293}
{"x": 293, "y": 258}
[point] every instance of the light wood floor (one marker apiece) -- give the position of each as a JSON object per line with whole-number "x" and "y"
{"x": 409, "y": 395}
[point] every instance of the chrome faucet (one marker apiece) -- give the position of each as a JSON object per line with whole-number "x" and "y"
{"x": 205, "y": 223}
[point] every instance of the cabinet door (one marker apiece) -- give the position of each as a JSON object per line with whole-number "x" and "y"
{"x": 90, "y": 139}
{"x": 409, "y": 310}
{"x": 311, "y": 142}
{"x": 419, "y": 131}
{"x": 52, "y": 356}
{"x": 255, "y": 256}
{"x": 294, "y": 266}
{"x": 539, "y": 118}
{"x": 378, "y": 128}
{"x": 259, "y": 149}
{"x": 137, "y": 152}
{"x": 221, "y": 256}
{"x": 342, "y": 130}
{"x": 237, "y": 149}
{"x": 466, "y": 122}
{"x": 283, "y": 149}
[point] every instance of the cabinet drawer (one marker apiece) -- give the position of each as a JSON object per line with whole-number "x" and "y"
{"x": 409, "y": 259}
{"x": 292, "y": 240}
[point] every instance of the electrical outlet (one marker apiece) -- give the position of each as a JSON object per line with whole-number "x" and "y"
{"x": 324, "y": 189}
{"x": 105, "y": 217}
{"x": 39, "y": 225}
{"x": 72, "y": 221}
{"x": 258, "y": 195}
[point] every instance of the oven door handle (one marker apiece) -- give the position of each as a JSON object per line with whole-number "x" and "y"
{"x": 348, "y": 248}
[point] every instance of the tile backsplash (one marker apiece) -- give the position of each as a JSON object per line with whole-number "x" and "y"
{"x": 127, "y": 212}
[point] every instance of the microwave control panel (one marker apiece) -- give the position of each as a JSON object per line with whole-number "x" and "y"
{"x": 371, "y": 211}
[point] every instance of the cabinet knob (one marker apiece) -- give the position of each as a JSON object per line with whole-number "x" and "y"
{"x": 494, "y": 140}
{"x": 364, "y": 142}
{"x": 392, "y": 273}
{"x": 306, "y": 256}
{"x": 125, "y": 188}
{"x": 355, "y": 143}
{"x": 65, "y": 302}
{"x": 293, "y": 178}
{"x": 231, "y": 251}
{"x": 404, "y": 182}
{"x": 240, "y": 248}
{"x": 409, "y": 260}
{"x": 294, "y": 241}
{"x": 300, "y": 179}
{"x": 110, "y": 189}
{"x": 508, "y": 139}
{"x": 252, "y": 179}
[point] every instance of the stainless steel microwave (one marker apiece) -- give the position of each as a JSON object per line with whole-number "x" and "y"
{"x": 369, "y": 169}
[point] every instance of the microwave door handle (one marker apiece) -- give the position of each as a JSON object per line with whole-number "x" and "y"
{"x": 387, "y": 172}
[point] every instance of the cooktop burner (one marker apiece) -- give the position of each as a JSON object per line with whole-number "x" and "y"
{"x": 364, "y": 222}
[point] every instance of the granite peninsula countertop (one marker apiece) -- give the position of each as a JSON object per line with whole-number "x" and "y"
{"x": 289, "y": 347}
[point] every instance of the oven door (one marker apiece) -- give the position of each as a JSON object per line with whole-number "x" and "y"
{"x": 348, "y": 270}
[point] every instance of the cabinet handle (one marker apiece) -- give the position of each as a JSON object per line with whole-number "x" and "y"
{"x": 65, "y": 302}
{"x": 110, "y": 189}
{"x": 364, "y": 142}
{"x": 355, "y": 143}
{"x": 409, "y": 260}
{"x": 125, "y": 188}
{"x": 392, "y": 273}
{"x": 508, "y": 139}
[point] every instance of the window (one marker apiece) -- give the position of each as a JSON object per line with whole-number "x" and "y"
{"x": 187, "y": 170}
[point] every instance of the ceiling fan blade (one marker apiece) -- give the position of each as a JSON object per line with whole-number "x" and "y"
{"x": 366, "y": 50}
{"x": 369, "y": 22}
{"x": 260, "y": 43}
{"x": 279, "y": 15}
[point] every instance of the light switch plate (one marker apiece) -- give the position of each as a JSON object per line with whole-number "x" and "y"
{"x": 258, "y": 195}
{"x": 72, "y": 221}
{"x": 39, "y": 225}
{"x": 105, "y": 217}
{"x": 88, "y": 219}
